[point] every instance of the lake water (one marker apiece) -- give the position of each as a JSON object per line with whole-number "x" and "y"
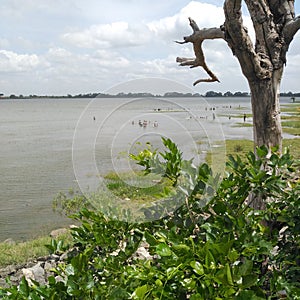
{"x": 54, "y": 145}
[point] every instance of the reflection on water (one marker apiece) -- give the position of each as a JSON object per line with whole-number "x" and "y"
{"x": 37, "y": 138}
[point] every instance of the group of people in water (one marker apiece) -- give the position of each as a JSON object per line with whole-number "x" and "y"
{"x": 145, "y": 123}
{"x": 141, "y": 123}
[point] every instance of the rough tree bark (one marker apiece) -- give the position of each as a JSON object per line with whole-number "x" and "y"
{"x": 262, "y": 64}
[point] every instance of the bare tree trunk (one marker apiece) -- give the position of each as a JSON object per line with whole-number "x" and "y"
{"x": 266, "y": 112}
{"x": 261, "y": 64}
{"x": 267, "y": 129}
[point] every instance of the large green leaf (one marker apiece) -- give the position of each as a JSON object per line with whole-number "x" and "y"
{"x": 140, "y": 292}
{"x": 163, "y": 249}
{"x": 197, "y": 267}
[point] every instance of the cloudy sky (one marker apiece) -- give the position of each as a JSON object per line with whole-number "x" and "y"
{"x": 64, "y": 47}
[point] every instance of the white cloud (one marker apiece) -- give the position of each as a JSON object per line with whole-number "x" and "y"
{"x": 206, "y": 15}
{"x": 13, "y": 62}
{"x": 110, "y": 59}
{"x": 69, "y": 72}
{"x": 157, "y": 53}
{"x": 58, "y": 55}
{"x": 124, "y": 34}
{"x": 83, "y": 63}
{"x": 116, "y": 34}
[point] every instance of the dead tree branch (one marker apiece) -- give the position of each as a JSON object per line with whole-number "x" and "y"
{"x": 197, "y": 38}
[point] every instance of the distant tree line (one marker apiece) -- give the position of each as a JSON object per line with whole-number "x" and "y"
{"x": 140, "y": 95}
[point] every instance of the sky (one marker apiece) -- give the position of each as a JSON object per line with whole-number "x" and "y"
{"x": 62, "y": 47}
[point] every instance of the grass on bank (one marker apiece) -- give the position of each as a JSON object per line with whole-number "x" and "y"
{"x": 242, "y": 147}
{"x": 19, "y": 253}
{"x": 291, "y": 127}
{"x": 291, "y": 122}
{"x": 135, "y": 186}
{"x": 239, "y": 124}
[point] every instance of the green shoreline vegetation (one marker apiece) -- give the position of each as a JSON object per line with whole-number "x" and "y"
{"x": 21, "y": 252}
{"x": 18, "y": 253}
{"x": 215, "y": 245}
{"x": 291, "y": 122}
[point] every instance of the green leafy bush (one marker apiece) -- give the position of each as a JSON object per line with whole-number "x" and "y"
{"x": 172, "y": 160}
{"x": 213, "y": 246}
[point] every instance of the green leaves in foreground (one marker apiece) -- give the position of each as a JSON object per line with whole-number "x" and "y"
{"x": 169, "y": 166}
{"x": 223, "y": 249}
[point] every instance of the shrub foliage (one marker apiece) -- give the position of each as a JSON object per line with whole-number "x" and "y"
{"x": 213, "y": 246}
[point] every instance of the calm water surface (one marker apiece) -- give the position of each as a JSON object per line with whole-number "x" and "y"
{"x": 54, "y": 145}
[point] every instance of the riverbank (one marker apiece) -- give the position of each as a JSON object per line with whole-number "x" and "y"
{"x": 34, "y": 259}
{"x": 19, "y": 253}
{"x": 12, "y": 252}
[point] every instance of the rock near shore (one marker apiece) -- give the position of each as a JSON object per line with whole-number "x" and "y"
{"x": 38, "y": 270}
{"x": 41, "y": 269}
